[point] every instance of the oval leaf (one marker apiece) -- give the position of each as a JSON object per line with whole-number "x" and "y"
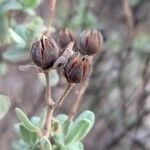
{"x": 45, "y": 143}
{"x": 62, "y": 118}
{"x": 28, "y": 136}
{"x": 16, "y": 37}
{"x": 78, "y": 132}
{"x": 74, "y": 146}
{"x": 35, "y": 120}
{"x": 24, "y": 119}
{"x": 67, "y": 126}
{"x": 30, "y": 3}
{"x": 42, "y": 117}
{"x": 4, "y": 105}
{"x": 17, "y": 129}
{"x": 16, "y": 55}
{"x": 89, "y": 115}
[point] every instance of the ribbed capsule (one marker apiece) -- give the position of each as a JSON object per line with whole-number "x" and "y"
{"x": 77, "y": 69}
{"x": 44, "y": 52}
{"x": 90, "y": 42}
{"x": 65, "y": 37}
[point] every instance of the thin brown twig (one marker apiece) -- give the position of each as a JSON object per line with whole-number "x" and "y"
{"x": 128, "y": 14}
{"x": 52, "y": 4}
{"x": 59, "y": 102}
{"x": 77, "y": 103}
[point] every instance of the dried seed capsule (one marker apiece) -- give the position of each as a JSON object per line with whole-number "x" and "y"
{"x": 77, "y": 69}
{"x": 65, "y": 37}
{"x": 66, "y": 53}
{"x": 44, "y": 52}
{"x": 90, "y": 42}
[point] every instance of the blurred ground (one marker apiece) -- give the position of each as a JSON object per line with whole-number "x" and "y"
{"x": 119, "y": 88}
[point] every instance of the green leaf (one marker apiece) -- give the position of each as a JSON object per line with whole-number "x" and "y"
{"x": 35, "y": 120}
{"x": 26, "y": 122}
{"x": 20, "y": 145}
{"x": 9, "y": 5}
{"x": 16, "y": 37}
{"x": 42, "y": 117}
{"x": 78, "y": 132}
{"x": 20, "y": 29}
{"x": 4, "y": 105}
{"x": 17, "y": 129}
{"x": 86, "y": 115}
{"x": 32, "y": 27}
{"x": 3, "y": 68}
{"x": 4, "y": 34}
{"x": 53, "y": 77}
{"x": 29, "y": 3}
{"x": 45, "y": 143}
{"x": 16, "y": 55}
{"x": 59, "y": 139}
{"x": 62, "y": 118}
{"x": 28, "y": 136}
{"x": 74, "y": 146}
{"x": 67, "y": 126}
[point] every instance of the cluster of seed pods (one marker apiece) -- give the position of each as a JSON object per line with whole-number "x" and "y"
{"x": 72, "y": 53}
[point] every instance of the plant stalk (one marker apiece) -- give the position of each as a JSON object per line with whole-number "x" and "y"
{"x": 52, "y": 4}
{"x": 50, "y": 109}
{"x": 59, "y": 102}
{"x": 51, "y": 105}
{"x": 80, "y": 92}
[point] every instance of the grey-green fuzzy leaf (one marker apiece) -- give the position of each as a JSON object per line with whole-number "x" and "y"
{"x": 27, "y": 123}
{"x": 78, "y": 132}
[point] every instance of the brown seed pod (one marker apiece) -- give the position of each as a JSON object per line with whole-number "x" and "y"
{"x": 65, "y": 37}
{"x": 90, "y": 42}
{"x": 77, "y": 69}
{"x": 44, "y": 52}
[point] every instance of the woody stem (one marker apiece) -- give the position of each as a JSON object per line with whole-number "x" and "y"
{"x": 80, "y": 92}
{"x": 50, "y": 109}
{"x": 52, "y": 4}
{"x": 67, "y": 90}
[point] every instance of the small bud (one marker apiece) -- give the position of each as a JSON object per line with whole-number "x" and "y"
{"x": 65, "y": 37}
{"x": 44, "y": 52}
{"x": 90, "y": 42}
{"x": 77, "y": 69}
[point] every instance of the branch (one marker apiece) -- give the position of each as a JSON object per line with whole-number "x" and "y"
{"x": 77, "y": 103}
{"x": 59, "y": 102}
{"x": 128, "y": 15}
{"x": 52, "y": 4}
{"x": 50, "y": 109}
